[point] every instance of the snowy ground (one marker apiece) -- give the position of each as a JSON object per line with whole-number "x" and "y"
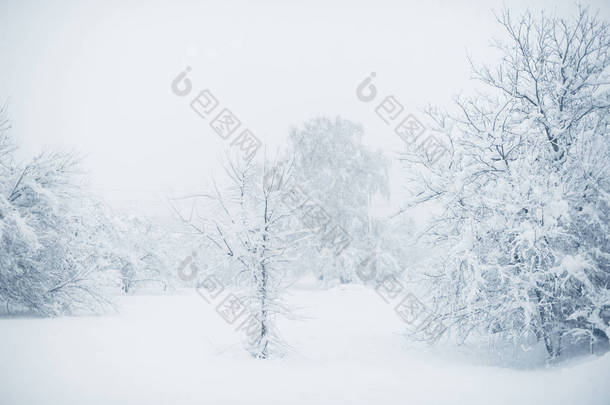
{"x": 177, "y": 350}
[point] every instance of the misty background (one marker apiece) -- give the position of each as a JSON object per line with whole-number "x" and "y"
{"x": 95, "y": 76}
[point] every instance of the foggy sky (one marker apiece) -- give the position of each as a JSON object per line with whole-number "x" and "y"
{"x": 95, "y": 76}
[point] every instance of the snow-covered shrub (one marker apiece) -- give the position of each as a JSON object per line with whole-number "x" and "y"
{"x": 62, "y": 249}
{"x": 142, "y": 251}
{"x": 46, "y": 263}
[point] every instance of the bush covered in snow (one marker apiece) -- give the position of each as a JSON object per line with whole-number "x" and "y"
{"x": 61, "y": 248}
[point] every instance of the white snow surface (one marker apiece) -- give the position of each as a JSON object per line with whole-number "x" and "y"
{"x": 348, "y": 349}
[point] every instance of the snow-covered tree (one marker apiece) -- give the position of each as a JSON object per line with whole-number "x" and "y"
{"x": 523, "y": 196}
{"x": 342, "y": 175}
{"x": 247, "y": 225}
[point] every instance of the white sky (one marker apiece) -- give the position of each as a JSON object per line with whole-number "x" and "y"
{"x": 95, "y": 76}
